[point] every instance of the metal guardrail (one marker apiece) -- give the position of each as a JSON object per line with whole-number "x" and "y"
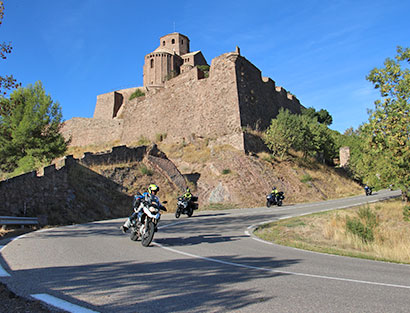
{"x": 13, "y": 220}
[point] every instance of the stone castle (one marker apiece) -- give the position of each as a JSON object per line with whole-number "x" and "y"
{"x": 182, "y": 101}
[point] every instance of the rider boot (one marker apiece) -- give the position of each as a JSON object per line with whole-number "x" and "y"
{"x": 124, "y": 228}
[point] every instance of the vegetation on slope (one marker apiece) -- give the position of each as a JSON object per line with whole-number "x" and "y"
{"x": 377, "y": 231}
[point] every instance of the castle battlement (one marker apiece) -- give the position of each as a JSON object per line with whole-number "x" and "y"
{"x": 234, "y": 96}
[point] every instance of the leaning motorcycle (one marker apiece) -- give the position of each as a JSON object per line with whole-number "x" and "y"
{"x": 271, "y": 199}
{"x": 144, "y": 227}
{"x": 186, "y": 207}
{"x": 368, "y": 191}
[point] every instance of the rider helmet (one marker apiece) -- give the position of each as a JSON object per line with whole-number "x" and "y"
{"x": 153, "y": 188}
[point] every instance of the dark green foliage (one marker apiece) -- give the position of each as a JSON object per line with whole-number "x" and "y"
{"x": 29, "y": 130}
{"x": 137, "y": 93}
{"x": 406, "y": 213}
{"x": 364, "y": 225}
{"x": 356, "y": 227}
{"x": 322, "y": 116}
{"x": 388, "y": 130}
{"x": 226, "y": 171}
{"x": 306, "y": 178}
{"x": 302, "y": 133}
{"x": 145, "y": 170}
{"x": 205, "y": 69}
{"x": 367, "y": 215}
{"x": 7, "y": 82}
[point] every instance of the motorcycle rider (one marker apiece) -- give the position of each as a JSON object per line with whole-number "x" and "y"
{"x": 367, "y": 189}
{"x": 188, "y": 195}
{"x": 152, "y": 193}
{"x": 274, "y": 192}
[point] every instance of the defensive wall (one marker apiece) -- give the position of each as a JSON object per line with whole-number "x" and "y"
{"x": 234, "y": 96}
{"x": 38, "y": 194}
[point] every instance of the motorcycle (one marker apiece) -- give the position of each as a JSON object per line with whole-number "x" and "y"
{"x": 368, "y": 191}
{"x": 186, "y": 207}
{"x": 272, "y": 199}
{"x": 145, "y": 225}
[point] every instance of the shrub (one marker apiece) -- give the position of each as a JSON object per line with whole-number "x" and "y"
{"x": 145, "y": 170}
{"x": 205, "y": 69}
{"x": 226, "y": 171}
{"x": 406, "y": 213}
{"x": 137, "y": 93}
{"x": 160, "y": 137}
{"x": 356, "y": 227}
{"x": 306, "y": 178}
{"x": 363, "y": 226}
{"x": 142, "y": 141}
{"x": 366, "y": 214}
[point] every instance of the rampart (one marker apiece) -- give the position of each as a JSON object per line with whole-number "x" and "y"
{"x": 233, "y": 97}
{"x": 54, "y": 188}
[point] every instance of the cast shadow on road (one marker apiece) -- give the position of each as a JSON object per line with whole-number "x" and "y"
{"x": 176, "y": 285}
{"x": 195, "y": 240}
{"x": 219, "y": 223}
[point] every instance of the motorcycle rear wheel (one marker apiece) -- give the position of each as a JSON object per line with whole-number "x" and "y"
{"x": 134, "y": 235}
{"x": 190, "y": 212}
{"x": 148, "y": 234}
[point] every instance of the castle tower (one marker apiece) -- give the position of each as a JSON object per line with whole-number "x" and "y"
{"x": 165, "y": 61}
{"x": 168, "y": 59}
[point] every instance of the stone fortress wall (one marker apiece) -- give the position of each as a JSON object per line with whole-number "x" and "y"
{"x": 235, "y": 96}
{"x": 36, "y": 193}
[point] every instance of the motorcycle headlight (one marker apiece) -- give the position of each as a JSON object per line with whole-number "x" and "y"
{"x": 152, "y": 209}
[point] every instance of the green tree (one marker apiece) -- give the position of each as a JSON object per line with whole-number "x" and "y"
{"x": 302, "y": 133}
{"x": 388, "y": 129}
{"x": 29, "y": 130}
{"x": 322, "y": 116}
{"x": 6, "y": 82}
{"x": 282, "y": 134}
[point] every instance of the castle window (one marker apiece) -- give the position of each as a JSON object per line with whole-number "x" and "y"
{"x": 152, "y": 63}
{"x": 182, "y": 41}
{"x": 163, "y": 43}
{"x": 173, "y": 41}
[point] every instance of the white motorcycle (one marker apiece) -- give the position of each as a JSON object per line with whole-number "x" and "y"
{"x": 144, "y": 227}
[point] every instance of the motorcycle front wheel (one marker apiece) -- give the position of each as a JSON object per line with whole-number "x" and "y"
{"x": 177, "y": 213}
{"x": 268, "y": 203}
{"x": 148, "y": 234}
{"x": 279, "y": 202}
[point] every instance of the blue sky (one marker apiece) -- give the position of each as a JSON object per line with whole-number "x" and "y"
{"x": 320, "y": 51}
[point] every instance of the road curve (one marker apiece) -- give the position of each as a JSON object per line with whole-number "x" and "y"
{"x": 207, "y": 263}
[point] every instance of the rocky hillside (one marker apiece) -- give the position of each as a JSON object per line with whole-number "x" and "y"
{"x": 223, "y": 176}
{"x": 97, "y": 186}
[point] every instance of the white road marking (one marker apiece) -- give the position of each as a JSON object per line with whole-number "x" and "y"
{"x": 61, "y": 304}
{"x": 280, "y": 272}
{"x": 3, "y": 272}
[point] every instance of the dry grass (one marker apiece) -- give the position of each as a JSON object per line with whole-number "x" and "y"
{"x": 326, "y": 232}
{"x": 197, "y": 152}
{"x": 78, "y": 151}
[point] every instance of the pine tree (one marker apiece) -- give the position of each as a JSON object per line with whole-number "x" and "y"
{"x": 29, "y": 129}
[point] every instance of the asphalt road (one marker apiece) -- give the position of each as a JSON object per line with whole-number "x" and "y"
{"x": 207, "y": 263}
